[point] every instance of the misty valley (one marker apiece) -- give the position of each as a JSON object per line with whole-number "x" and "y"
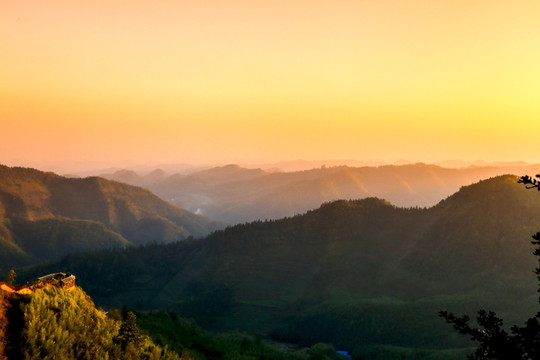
{"x": 234, "y": 263}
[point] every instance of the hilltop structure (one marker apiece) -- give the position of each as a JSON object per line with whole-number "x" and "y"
{"x": 60, "y": 279}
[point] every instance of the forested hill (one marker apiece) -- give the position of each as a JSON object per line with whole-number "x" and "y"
{"x": 44, "y": 216}
{"x": 355, "y": 273}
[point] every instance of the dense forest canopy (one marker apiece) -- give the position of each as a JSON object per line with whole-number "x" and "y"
{"x": 494, "y": 341}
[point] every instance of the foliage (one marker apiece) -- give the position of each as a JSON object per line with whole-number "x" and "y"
{"x": 4, "y": 306}
{"x": 11, "y": 325}
{"x": 356, "y": 324}
{"x": 495, "y": 343}
{"x": 60, "y": 324}
{"x": 187, "y": 338}
{"x": 129, "y": 334}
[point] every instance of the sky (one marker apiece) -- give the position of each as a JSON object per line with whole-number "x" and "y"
{"x": 178, "y": 81}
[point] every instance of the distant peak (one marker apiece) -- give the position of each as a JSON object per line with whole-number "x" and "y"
{"x": 156, "y": 174}
{"x": 125, "y": 172}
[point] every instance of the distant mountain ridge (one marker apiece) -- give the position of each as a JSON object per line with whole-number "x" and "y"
{"x": 357, "y": 273}
{"x": 236, "y": 195}
{"x": 44, "y": 215}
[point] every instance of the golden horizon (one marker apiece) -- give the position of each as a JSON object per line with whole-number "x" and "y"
{"x": 252, "y": 82}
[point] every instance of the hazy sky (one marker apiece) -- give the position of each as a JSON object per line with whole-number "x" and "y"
{"x": 255, "y": 81}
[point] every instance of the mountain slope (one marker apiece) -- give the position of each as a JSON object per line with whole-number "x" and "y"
{"x": 43, "y": 216}
{"x": 355, "y": 273}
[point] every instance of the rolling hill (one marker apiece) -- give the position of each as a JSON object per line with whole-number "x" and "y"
{"x": 359, "y": 274}
{"x": 44, "y": 216}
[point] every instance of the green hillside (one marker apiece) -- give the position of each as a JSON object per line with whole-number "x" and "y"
{"x": 53, "y": 323}
{"x": 44, "y": 216}
{"x": 359, "y": 274}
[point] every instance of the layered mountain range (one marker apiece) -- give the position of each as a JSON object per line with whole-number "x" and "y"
{"x": 44, "y": 216}
{"x": 236, "y": 195}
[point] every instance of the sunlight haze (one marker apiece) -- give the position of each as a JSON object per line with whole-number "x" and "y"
{"x": 262, "y": 81}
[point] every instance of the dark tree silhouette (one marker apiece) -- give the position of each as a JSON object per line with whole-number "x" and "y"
{"x": 529, "y": 182}
{"x": 495, "y": 343}
{"x": 129, "y": 333}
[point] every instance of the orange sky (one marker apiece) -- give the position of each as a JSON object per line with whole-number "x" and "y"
{"x": 257, "y": 81}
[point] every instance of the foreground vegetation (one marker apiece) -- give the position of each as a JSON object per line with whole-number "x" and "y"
{"x": 187, "y": 338}
{"x": 52, "y": 323}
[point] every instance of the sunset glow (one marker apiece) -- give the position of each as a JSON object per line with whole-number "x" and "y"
{"x": 259, "y": 81}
